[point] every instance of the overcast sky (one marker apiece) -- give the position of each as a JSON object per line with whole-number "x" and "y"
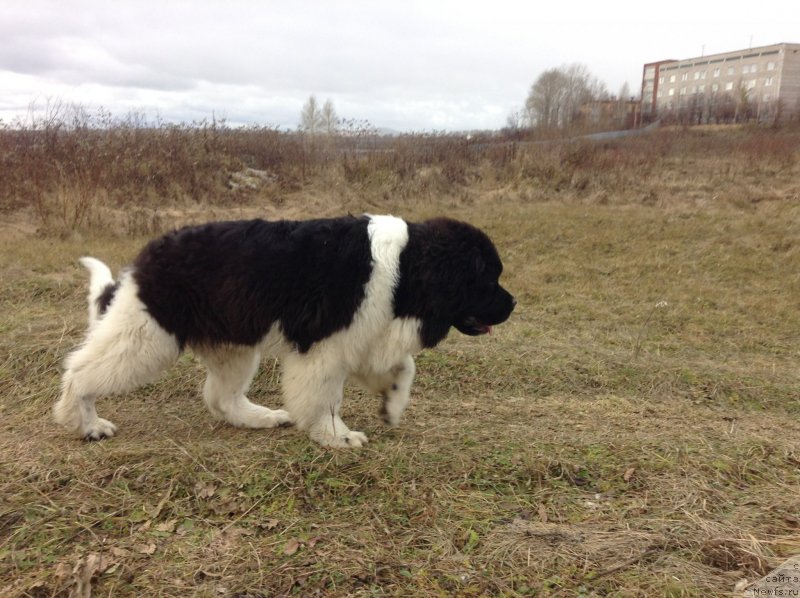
{"x": 406, "y": 65}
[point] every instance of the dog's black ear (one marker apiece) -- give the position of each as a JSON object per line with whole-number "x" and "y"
{"x": 434, "y": 269}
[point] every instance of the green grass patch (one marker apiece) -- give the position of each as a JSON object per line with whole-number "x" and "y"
{"x": 631, "y": 431}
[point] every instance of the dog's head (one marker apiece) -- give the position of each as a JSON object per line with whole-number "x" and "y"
{"x": 487, "y": 304}
{"x": 451, "y": 279}
{"x": 482, "y": 301}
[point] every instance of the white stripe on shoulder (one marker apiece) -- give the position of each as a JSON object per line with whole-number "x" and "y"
{"x": 388, "y": 236}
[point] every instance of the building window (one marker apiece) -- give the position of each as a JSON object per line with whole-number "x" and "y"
{"x": 731, "y": 70}
{"x": 745, "y": 69}
{"x": 753, "y": 68}
{"x": 715, "y": 87}
{"x": 768, "y": 81}
{"x": 729, "y": 86}
{"x": 671, "y": 91}
{"x": 672, "y": 78}
{"x": 683, "y": 91}
{"x": 770, "y": 66}
{"x": 701, "y": 89}
{"x": 751, "y": 84}
{"x": 716, "y": 72}
{"x": 660, "y": 80}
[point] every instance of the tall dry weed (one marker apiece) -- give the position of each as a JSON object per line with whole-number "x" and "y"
{"x": 69, "y": 163}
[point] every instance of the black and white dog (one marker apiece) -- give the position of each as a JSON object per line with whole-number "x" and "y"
{"x": 351, "y": 297}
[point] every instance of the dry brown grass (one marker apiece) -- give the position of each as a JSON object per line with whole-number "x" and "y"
{"x": 632, "y": 431}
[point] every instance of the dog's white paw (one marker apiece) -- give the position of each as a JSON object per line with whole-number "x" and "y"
{"x": 99, "y": 429}
{"x": 351, "y": 439}
{"x": 249, "y": 415}
{"x": 270, "y": 418}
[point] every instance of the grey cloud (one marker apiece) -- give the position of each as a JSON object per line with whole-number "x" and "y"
{"x": 410, "y": 65}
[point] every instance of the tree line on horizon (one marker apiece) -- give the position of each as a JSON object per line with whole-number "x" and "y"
{"x": 558, "y": 97}
{"x": 556, "y": 100}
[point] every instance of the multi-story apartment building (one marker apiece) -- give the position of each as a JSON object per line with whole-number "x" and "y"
{"x": 762, "y": 83}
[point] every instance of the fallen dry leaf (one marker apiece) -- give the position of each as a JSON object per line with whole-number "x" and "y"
{"x": 204, "y": 490}
{"x": 228, "y": 538}
{"x": 269, "y": 524}
{"x": 120, "y": 552}
{"x": 63, "y": 570}
{"x": 628, "y": 474}
{"x": 145, "y": 548}
{"x": 291, "y": 547}
{"x": 85, "y": 569}
{"x": 81, "y": 574}
{"x": 167, "y": 526}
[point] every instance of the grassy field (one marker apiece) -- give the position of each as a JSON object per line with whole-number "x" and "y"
{"x": 633, "y": 430}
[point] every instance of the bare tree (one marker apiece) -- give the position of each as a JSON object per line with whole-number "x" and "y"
{"x": 545, "y": 99}
{"x": 316, "y": 120}
{"x": 581, "y": 88}
{"x": 330, "y": 121}
{"x": 622, "y": 104}
{"x": 311, "y": 120}
{"x": 743, "y": 103}
{"x": 625, "y": 92}
{"x": 516, "y": 120}
{"x": 556, "y": 97}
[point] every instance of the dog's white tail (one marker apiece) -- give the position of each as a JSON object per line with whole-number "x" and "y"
{"x": 100, "y": 278}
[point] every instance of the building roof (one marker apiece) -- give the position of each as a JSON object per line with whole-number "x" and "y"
{"x": 710, "y": 57}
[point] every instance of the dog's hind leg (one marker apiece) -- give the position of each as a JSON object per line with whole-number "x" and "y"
{"x": 230, "y": 371}
{"x": 124, "y": 349}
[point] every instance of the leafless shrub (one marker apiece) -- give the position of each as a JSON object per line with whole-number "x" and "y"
{"x": 65, "y": 162}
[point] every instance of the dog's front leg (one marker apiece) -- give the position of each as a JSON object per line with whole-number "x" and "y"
{"x": 397, "y": 395}
{"x": 394, "y": 386}
{"x": 313, "y": 389}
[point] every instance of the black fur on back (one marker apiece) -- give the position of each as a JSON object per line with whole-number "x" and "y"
{"x": 449, "y": 271}
{"x": 229, "y": 282}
